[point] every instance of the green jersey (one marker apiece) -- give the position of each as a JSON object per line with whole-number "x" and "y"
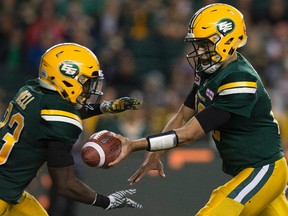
{"x": 251, "y": 138}
{"x": 33, "y": 115}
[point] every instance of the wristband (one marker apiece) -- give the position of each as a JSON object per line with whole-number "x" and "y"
{"x": 162, "y": 141}
{"x": 102, "y": 201}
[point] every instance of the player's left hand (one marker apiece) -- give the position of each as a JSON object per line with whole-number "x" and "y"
{"x": 120, "y": 105}
{"x": 119, "y": 199}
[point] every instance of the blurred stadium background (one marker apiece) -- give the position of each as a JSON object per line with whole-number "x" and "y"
{"x": 142, "y": 53}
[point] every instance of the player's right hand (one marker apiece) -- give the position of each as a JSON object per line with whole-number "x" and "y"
{"x": 119, "y": 199}
{"x": 152, "y": 162}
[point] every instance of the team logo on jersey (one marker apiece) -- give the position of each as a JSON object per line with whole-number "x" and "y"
{"x": 225, "y": 26}
{"x": 209, "y": 94}
{"x": 69, "y": 68}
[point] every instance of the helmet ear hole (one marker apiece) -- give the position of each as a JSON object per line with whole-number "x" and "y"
{"x": 67, "y": 84}
{"x": 229, "y": 41}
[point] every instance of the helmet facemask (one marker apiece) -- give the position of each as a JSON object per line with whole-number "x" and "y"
{"x": 203, "y": 56}
{"x": 91, "y": 93}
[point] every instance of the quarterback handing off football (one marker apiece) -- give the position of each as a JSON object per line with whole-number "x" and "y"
{"x": 101, "y": 149}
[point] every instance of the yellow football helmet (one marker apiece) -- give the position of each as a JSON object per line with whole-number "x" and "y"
{"x": 73, "y": 71}
{"x": 219, "y": 29}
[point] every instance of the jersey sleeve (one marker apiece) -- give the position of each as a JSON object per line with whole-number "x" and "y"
{"x": 60, "y": 121}
{"x": 237, "y": 94}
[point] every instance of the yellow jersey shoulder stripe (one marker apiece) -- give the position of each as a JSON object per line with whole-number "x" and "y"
{"x": 247, "y": 84}
{"x": 62, "y": 116}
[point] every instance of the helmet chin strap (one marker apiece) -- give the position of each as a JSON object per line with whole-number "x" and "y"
{"x": 211, "y": 69}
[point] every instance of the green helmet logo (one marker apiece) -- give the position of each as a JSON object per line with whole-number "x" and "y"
{"x": 225, "y": 26}
{"x": 69, "y": 68}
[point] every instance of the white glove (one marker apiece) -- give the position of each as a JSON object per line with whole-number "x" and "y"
{"x": 119, "y": 200}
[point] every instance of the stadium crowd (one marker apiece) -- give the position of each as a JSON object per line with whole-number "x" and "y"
{"x": 139, "y": 43}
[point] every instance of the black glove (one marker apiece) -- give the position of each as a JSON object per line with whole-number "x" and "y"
{"x": 120, "y": 105}
{"x": 119, "y": 199}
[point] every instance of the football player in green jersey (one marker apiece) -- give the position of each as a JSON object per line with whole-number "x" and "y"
{"x": 228, "y": 99}
{"x": 42, "y": 123}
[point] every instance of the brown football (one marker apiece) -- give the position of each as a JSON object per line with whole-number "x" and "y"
{"x": 101, "y": 149}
